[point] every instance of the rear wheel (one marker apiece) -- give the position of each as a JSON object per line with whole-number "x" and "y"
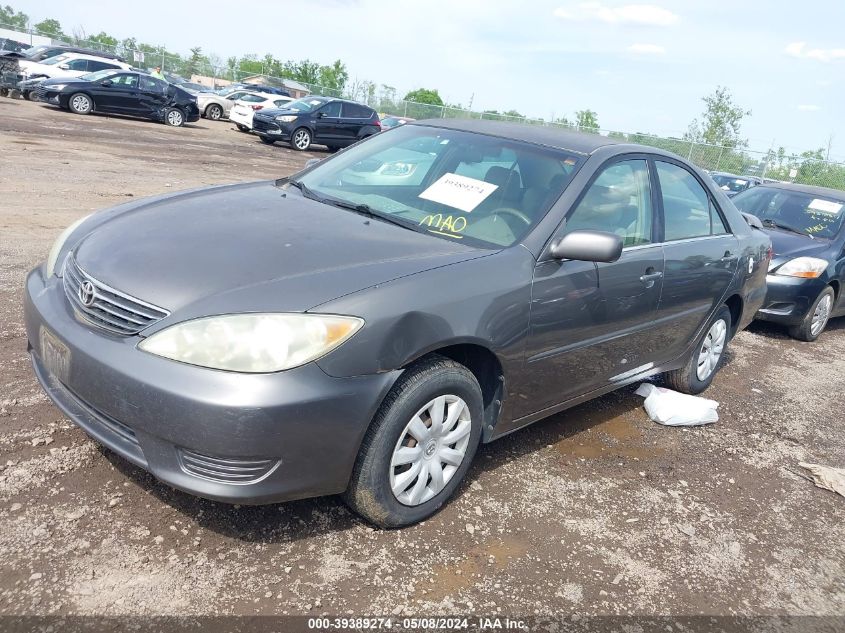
{"x": 214, "y": 112}
{"x": 816, "y": 318}
{"x": 419, "y": 446}
{"x": 174, "y": 117}
{"x": 27, "y": 94}
{"x": 242, "y": 128}
{"x": 706, "y": 358}
{"x": 268, "y": 140}
{"x": 300, "y": 140}
{"x": 80, "y": 103}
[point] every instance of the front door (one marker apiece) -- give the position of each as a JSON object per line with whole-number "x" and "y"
{"x": 327, "y": 122}
{"x": 591, "y": 324}
{"x": 118, "y": 94}
{"x": 701, "y": 257}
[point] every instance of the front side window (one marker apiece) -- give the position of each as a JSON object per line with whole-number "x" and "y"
{"x": 453, "y": 185}
{"x": 731, "y": 183}
{"x": 819, "y": 216}
{"x": 125, "y": 81}
{"x": 688, "y": 211}
{"x": 618, "y": 201}
{"x": 331, "y": 109}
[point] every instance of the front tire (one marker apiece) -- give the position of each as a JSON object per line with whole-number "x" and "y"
{"x": 816, "y": 318}
{"x": 706, "y": 358}
{"x": 213, "y": 112}
{"x": 80, "y": 103}
{"x": 300, "y": 140}
{"x": 174, "y": 117}
{"x": 420, "y": 445}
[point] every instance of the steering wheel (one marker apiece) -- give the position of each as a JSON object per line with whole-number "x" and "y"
{"x": 516, "y": 213}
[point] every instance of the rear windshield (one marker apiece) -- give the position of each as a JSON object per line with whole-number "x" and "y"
{"x": 814, "y": 215}
{"x": 731, "y": 183}
{"x": 452, "y": 185}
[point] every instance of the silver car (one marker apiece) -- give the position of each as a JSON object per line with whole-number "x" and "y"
{"x": 215, "y": 106}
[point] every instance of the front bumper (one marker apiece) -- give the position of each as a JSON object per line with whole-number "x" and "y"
{"x": 200, "y": 430}
{"x": 271, "y": 128}
{"x": 788, "y": 299}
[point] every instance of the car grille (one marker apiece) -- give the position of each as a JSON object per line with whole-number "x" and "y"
{"x": 262, "y": 124}
{"x": 40, "y": 93}
{"x": 226, "y": 470}
{"x": 106, "y": 307}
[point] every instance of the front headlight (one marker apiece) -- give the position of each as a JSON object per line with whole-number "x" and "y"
{"x": 252, "y": 343}
{"x": 286, "y": 118}
{"x": 59, "y": 243}
{"x": 806, "y": 267}
{"x": 56, "y": 87}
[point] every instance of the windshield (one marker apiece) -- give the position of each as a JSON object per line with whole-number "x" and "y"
{"x": 731, "y": 183}
{"x": 816, "y": 216}
{"x": 52, "y": 61}
{"x": 304, "y": 105}
{"x": 483, "y": 190}
{"x": 100, "y": 74}
{"x": 32, "y": 50}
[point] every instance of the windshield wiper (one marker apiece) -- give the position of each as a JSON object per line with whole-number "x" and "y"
{"x": 306, "y": 190}
{"x": 364, "y": 209}
{"x": 785, "y": 227}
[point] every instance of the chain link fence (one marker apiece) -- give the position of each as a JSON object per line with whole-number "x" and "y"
{"x": 811, "y": 168}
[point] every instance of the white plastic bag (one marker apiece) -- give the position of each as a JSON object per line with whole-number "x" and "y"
{"x": 671, "y": 408}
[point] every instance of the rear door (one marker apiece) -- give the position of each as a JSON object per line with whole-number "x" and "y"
{"x": 152, "y": 96}
{"x": 592, "y": 324}
{"x": 701, "y": 255}
{"x": 355, "y": 117}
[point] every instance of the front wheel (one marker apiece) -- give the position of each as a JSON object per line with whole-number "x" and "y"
{"x": 419, "y": 445}
{"x": 80, "y": 103}
{"x": 816, "y": 318}
{"x": 706, "y": 358}
{"x": 213, "y": 112}
{"x": 174, "y": 117}
{"x": 300, "y": 140}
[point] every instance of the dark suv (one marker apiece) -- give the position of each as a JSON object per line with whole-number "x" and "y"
{"x": 335, "y": 123}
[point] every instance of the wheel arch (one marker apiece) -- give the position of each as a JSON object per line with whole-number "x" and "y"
{"x": 735, "y": 305}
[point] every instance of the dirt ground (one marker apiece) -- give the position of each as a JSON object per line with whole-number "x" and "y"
{"x": 594, "y": 511}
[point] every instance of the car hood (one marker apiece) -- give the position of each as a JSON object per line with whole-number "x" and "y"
{"x": 64, "y": 81}
{"x": 787, "y": 245}
{"x": 252, "y": 247}
{"x": 271, "y": 112}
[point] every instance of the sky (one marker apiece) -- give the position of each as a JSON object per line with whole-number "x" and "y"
{"x": 642, "y": 66}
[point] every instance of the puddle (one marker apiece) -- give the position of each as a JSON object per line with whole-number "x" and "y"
{"x": 616, "y": 437}
{"x": 476, "y": 565}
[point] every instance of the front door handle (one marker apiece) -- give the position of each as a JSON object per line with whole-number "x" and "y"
{"x": 650, "y": 277}
{"x": 728, "y": 257}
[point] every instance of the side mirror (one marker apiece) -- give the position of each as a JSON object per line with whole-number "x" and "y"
{"x": 322, "y": 115}
{"x": 311, "y": 162}
{"x": 588, "y": 246}
{"x": 64, "y": 66}
{"x": 752, "y": 220}
{"x": 106, "y": 82}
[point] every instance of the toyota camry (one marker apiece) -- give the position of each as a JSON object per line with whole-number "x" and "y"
{"x": 327, "y": 333}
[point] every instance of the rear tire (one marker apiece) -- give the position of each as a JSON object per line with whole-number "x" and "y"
{"x": 815, "y": 321}
{"x": 214, "y": 112}
{"x": 27, "y": 94}
{"x": 267, "y": 140}
{"x": 80, "y": 103}
{"x": 300, "y": 140}
{"x": 706, "y": 358}
{"x": 242, "y": 128}
{"x": 439, "y": 401}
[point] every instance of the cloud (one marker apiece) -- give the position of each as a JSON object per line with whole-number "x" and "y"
{"x": 809, "y": 108}
{"x": 646, "y": 49}
{"x": 641, "y": 14}
{"x": 800, "y": 50}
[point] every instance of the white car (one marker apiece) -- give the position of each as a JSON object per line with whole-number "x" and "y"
{"x": 68, "y": 65}
{"x": 241, "y": 113}
{"x": 216, "y": 106}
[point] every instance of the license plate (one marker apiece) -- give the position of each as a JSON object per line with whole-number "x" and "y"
{"x": 55, "y": 355}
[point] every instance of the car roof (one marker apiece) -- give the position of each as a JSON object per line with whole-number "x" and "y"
{"x": 581, "y": 142}
{"x": 74, "y": 55}
{"x": 813, "y": 190}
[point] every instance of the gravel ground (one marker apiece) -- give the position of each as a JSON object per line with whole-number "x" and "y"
{"x": 596, "y": 511}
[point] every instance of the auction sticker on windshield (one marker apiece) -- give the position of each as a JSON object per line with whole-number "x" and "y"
{"x": 825, "y": 206}
{"x": 459, "y": 192}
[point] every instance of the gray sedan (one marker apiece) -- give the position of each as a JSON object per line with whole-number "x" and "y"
{"x": 324, "y": 334}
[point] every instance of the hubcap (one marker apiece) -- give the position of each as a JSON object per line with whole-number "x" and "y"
{"x": 711, "y": 349}
{"x": 301, "y": 139}
{"x": 174, "y": 117}
{"x": 215, "y": 113}
{"x": 81, "y": 103}
{"x": 821, "y": 315}
{"x": 430, "y": 450}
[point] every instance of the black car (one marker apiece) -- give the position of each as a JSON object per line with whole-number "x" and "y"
{"x": 12, "y": 46}
{"x": 326, "y": 121}
{"x": 732, "y": 184}
{"x": 45, "y": 51}
{"x": 390, "y": 121}
{"x": 268, "y": 341}
{"x": 807, "y": 273}
{"x": 121, "y": 92}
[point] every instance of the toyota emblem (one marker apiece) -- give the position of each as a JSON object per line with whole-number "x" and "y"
{"x": 87, "y": 294}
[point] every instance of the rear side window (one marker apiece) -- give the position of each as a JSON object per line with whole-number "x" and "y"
{"x": 619, "y": 201}
{"x": 94, "y": 66}
{"x": 151, "y": 84}
{"x": 688, "y": 211}
{"x": 79, "y": 64}
{"x": 253, "y": 98}
{"x": 356, "y": 111}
